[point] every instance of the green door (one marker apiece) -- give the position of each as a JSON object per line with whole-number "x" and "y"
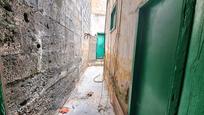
{"x": 161, "y": 48}
{"x": 100, "y": 46}
{"x": 2, "y": 110}
{"x": 192, "y": 101}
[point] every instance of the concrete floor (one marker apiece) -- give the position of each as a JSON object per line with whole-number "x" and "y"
{"x": 90, "y": 97}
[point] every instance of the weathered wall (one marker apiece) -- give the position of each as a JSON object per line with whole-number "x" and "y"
{"x": 89, "y": 52}
{"x": 86, "y": 25}
{"x": 85, "y": 51}
{"x": 119, "y": 50}
{"x": 41, "y": 52}
{"x": 92, "y": 48}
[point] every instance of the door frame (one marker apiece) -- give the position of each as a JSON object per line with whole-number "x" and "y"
{"x": 184, "y": 42}
{"x": 97, "y": 44}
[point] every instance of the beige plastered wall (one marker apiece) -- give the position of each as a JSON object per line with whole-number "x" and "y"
{"x": 120, "y": 44}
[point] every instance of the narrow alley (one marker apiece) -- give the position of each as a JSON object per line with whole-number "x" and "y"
{"x": 101, "y": 57}
{"x": 90, "y": 97}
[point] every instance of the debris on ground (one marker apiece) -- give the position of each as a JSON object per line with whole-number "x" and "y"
{"x": 90, "y": 94}
{"x": 101, "y": 108}
{"x": 64, "y": 110}
{"x": 98, "y": 81}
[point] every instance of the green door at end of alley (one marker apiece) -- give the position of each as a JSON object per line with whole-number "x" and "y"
{"x": 100, "y": 46}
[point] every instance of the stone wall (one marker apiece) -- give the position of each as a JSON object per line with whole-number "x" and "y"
{"x": 88, "y": 51}
{"x": 92, "y": 49}
{"x": 85, "y": 52}
{"x": 40, "y": 49}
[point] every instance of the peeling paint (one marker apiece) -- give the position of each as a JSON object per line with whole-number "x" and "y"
{"x": 119, "y": 51}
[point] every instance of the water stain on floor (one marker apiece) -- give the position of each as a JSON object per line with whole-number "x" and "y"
{"x": 90, "y": 97}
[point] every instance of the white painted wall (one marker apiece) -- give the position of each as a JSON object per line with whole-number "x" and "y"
{"x": 98, "y": 16}
{"x": 97, "y": 24}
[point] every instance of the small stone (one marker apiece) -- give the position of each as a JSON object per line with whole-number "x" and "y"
{"x": 90, "y": 94}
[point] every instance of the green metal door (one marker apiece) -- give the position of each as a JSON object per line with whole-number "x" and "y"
{"x": 192, "y": 101}
{"x": 161, "y": 48}
{"x": 100, "y": 46}
{"x": 2, "y": 110}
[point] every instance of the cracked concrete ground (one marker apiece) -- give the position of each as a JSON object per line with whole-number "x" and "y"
{"x": 90, "y": 97}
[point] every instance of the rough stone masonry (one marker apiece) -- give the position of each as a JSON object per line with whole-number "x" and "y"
{"x": 40, "y": 48}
